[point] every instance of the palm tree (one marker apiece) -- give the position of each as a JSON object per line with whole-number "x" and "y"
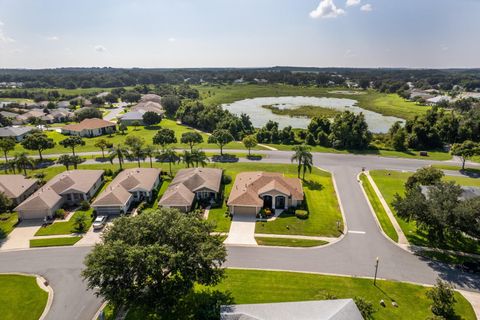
{"x": 169, "y": 155}
{"x": 23, "y": 162}
{"x": 304, "y": 159}
{"x": 187, "y": 158}
{"x": 150, "y": 151}
{"x": 120, "y": 153}
{"x": 199, "y": 157}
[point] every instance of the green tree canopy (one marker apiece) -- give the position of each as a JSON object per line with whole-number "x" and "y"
{"x": 250, "y": 142}
{"x": 164, "y": 137}
{"x": 72, "y": 142}
{"x": 7, "y": 145}
{"x": 38, "y": 141}
{"x": 88, "y": 113}
{"x": 158, "y": 267}
{"x": 465, "y": 150}
{"x": 220, "y": 137}
{"x": 191, "y": 138}
{"x": 151, "y": 118}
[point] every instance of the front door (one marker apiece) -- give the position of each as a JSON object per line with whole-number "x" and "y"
{"x": 267, "y": 202}
{"x": 279, "y": 202}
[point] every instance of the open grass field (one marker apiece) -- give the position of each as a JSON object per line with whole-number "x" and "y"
{"x": 54, "y": 242}
{"x": 380, "y": 212}
{"x": 392, "y": 182}
{"x": 386, "y": 104}
{"x": 305, "y": 111}
{"x": 21, "y": 298}
{"x": 146, "y": 133}
{"x": 7, "y": 223}
{"x": 323, "y": 208}
{"x": 284, "y": 242}
{"x": 65, "y": 227}
{"x": 259, "y": 286}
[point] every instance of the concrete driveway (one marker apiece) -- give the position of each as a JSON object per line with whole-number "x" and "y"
{"x": 20, "y": 237}
{"x": 242, "y": 231}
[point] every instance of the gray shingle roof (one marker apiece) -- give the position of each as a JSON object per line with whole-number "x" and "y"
{"x": 14, "y": 131}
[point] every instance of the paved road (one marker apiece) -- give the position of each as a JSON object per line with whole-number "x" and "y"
{"x": 354, "y": 255}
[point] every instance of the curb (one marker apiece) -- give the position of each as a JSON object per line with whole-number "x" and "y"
{"x": 97, "y": 314}
{"x": 42, "y": 284}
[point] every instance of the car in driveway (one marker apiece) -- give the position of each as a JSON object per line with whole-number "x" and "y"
{"x": 99, "y": 222}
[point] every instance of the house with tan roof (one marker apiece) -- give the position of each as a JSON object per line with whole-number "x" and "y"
{"x": 129, "y": 186}
{"x": 90, "y": 128}
{"x": 67, "y": 188}
{"x": 151, "y": 97}
{"x": 148, "y": 106}
{"x": 203, "y": 184}
{"x": 16, "y": 187}
{"x": 253, "y": 191}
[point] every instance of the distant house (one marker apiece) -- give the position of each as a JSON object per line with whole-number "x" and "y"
{"x": 151, "y": 98}
{"x": 131, "y": 117}
{"x": 148, "y": 106}
{"x": 33, "y": 113}
{"x": 66, "y": 188}
{"x": 61, "y": 115}
{"x": 253, "y": 191}
{"x": 128, "y": 187}
{"x": 90, "y": 128}
{"x": 191, "y": 184}
{"x": 340, "y": 309}
{"x": 16, "y": 132}
{"x": 16, "y": 187}
{"x": 64, "y": 104}
{"x": 9, "y": 115}
{"x": 438, "y": 99}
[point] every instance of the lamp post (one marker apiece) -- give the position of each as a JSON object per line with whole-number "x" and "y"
{"x": 376, "y": 270}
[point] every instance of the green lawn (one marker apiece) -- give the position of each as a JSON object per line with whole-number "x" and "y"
{"x": 54, "y": 242}
{"x": 386, "y": 104}
{"x": 324, "y": 211}
{"x": 411, "y": 154}
{"x": 146, "y": 133}
{"x": 21, "y": 298}
{"x": 258, "y": 286}
{"x": 7, "y": 223}
{"x": 284, "y": 242}
{"x": 380, "y": 212}
{"x": 66, "y": 227}
{"x": 392, "y": 182}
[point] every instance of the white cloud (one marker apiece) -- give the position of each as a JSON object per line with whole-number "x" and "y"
{"x": 351, "y": 3}
{"x": 53, "y": 38}
{"x": 4, "y": 38}
{"x": 366, "y": 7}
{"x": 326, "y": 9}
{"x": 100, "y": 48}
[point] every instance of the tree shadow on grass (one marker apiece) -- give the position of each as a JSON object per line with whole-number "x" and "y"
{"x": 313, "y": 185}
{"x": 154, "y": 127}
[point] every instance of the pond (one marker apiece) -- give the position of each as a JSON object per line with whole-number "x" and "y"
{"x": 259, "y": 116}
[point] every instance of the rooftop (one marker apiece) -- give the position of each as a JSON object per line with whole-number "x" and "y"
{"x": 89, "y": 124}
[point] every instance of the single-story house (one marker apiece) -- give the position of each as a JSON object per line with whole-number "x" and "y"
{"x": 468, "y": 192}
{"x": 339, "y": 309}
{"x": 90, "y": 128}
{"x": 66, "y": 188}
{"x": 129, "y": 186}
{"x": 16, "y": 132}
{"x": 131, "y": 117}
{"x": 253, "y": 191}
{"x": 151, "y": 97}
{"x": 64, "y": 104}
{"x": 438, "y": 99}
{"x": 148, "y": 106}
{"x": 190, "y": 184}
{"x": 16, "y": 187}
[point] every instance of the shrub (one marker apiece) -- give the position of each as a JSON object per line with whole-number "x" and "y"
{"x": 365, "y": 307}
{"x": 443, "y": 299}
{"x": 226, "y": 179}
{"x": 60, "y": 214}
{"x": 108, "y": 172}
{"x": 141, "y": 207}
{"x": 84, "y": 205}
{"x": 301, "y": 214}
{"x": 80, "y": 223}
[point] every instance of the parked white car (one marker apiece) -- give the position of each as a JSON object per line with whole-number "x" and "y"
{"x": 100, "y": 222}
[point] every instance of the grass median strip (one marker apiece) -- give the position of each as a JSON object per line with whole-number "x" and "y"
{"x": 288, "y": 242}
{"x": 65, "y": 227}
{"x": 21, "y": 298}
{"x": 380, "y": 212}
{"x": 54, "y": 242}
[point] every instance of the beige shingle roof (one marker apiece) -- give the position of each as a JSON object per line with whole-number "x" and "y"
{"x": 148, "y": 106}
{"x": 181, "y": 191}
{"x": 249, "y": 186}
{"x": 89, "y": 124}
{"x": 129, "y": 180}
{"x": 151, "y": 97}
{"x": 69, "y": 181}
{"x": 14, "y": 185}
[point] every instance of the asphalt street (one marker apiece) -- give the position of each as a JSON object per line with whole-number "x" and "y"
{"x": 354, "y": 255}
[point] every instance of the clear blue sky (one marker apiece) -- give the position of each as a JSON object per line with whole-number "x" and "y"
{"x": 242, "y": 33}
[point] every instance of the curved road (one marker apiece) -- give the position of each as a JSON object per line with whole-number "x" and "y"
{"x": 354, "y": 255}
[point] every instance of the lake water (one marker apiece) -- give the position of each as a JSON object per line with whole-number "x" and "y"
{"x": 259, "y": 116}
